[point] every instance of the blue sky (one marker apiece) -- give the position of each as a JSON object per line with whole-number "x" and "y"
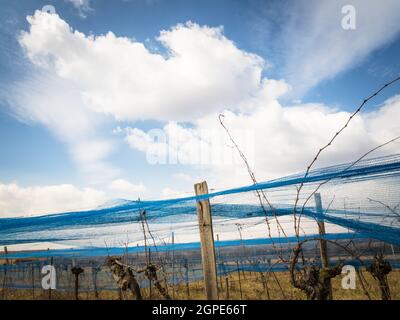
{"x": 317, "y": 71}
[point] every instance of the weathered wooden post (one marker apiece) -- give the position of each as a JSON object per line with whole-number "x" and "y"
{"x": 6, "y": 255}
{"x": 33, "y": 282}
{"x": 150, "y": 284}
{"x": 95, "y": 271}
{"x": 240, "y": 281}
{"x": 186, "y": 266}
{"x": 5, "y": 272}
{"x": 227, "y": 287}
{"x": 322, "y": 243}
{"x": 219, "y": 265}
{"x": 207, "y": 242}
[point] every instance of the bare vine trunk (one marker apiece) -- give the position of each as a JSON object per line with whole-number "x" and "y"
{"x": 379, "y": 269}
{"x": 124, "y": 277}
{"x": 314, "y": 280}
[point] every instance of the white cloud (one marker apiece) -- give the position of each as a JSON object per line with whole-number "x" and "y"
{"x": 168, "y": 193}
{"x": 125, "y": 189}
{"x": 37, "y": 200}
{"x": 202, "y": 73}
{"x": 16, "y": 200}
{"x": 139, "y": 139}
{"x": 83, "y": 7}
{"x": 310, "y": 44}
{"x": 183, "y": 177}
{"x": 201, "y": 145}
{"x": 285, "y": 139}
{"x": 56, "y": 104}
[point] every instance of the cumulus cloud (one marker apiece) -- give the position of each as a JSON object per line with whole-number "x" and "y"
{"x": 16, "y": 200}
{"x": 201, "y": 72}
{"x": 126, "y": 189}
{"x": 204, "y": 144}
{"x": 285, "y": 139}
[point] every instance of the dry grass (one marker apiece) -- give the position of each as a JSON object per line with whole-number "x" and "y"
{"x": 253, "y": 289}
{"x": 251, "y": 284}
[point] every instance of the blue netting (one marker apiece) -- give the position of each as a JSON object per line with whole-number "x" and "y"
{"x": 369, "y": 189}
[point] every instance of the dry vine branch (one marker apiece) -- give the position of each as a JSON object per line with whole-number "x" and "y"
{"x": 141, "y": 215}
{"x": 330, "y": 143}
{"x": 379, "y": 269}
{"x": 124, "y": 276}
{"x": 393, "y": 210}
{"x": 362, "y": 280}
{"x": 260, "y": 193}
{"x": 341, "y": 172}
{"x": 314, "y": 280}
{"x": 149, "y": 271}
{"x": 313, "y": 283}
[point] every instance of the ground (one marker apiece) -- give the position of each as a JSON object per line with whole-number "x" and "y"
{"x": 251, "y": 288}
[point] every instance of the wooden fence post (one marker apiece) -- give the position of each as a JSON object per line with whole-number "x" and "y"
{"x": 240, "y": 281}
{"x": 33, "y": 282}
{"x": 186, "y": 265}
{"x": 150, "y": 282}
{"x": 5, "y": 272}
{"x": 207, "y": 242}
{"x": 6, "y": 255}
{"x": 95, "y": 270}
{"x": 220, "y": 289}
{"x": 322, "y": 243}
{"x": 173, "y": 266}
{"x": 227, "y": 287}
